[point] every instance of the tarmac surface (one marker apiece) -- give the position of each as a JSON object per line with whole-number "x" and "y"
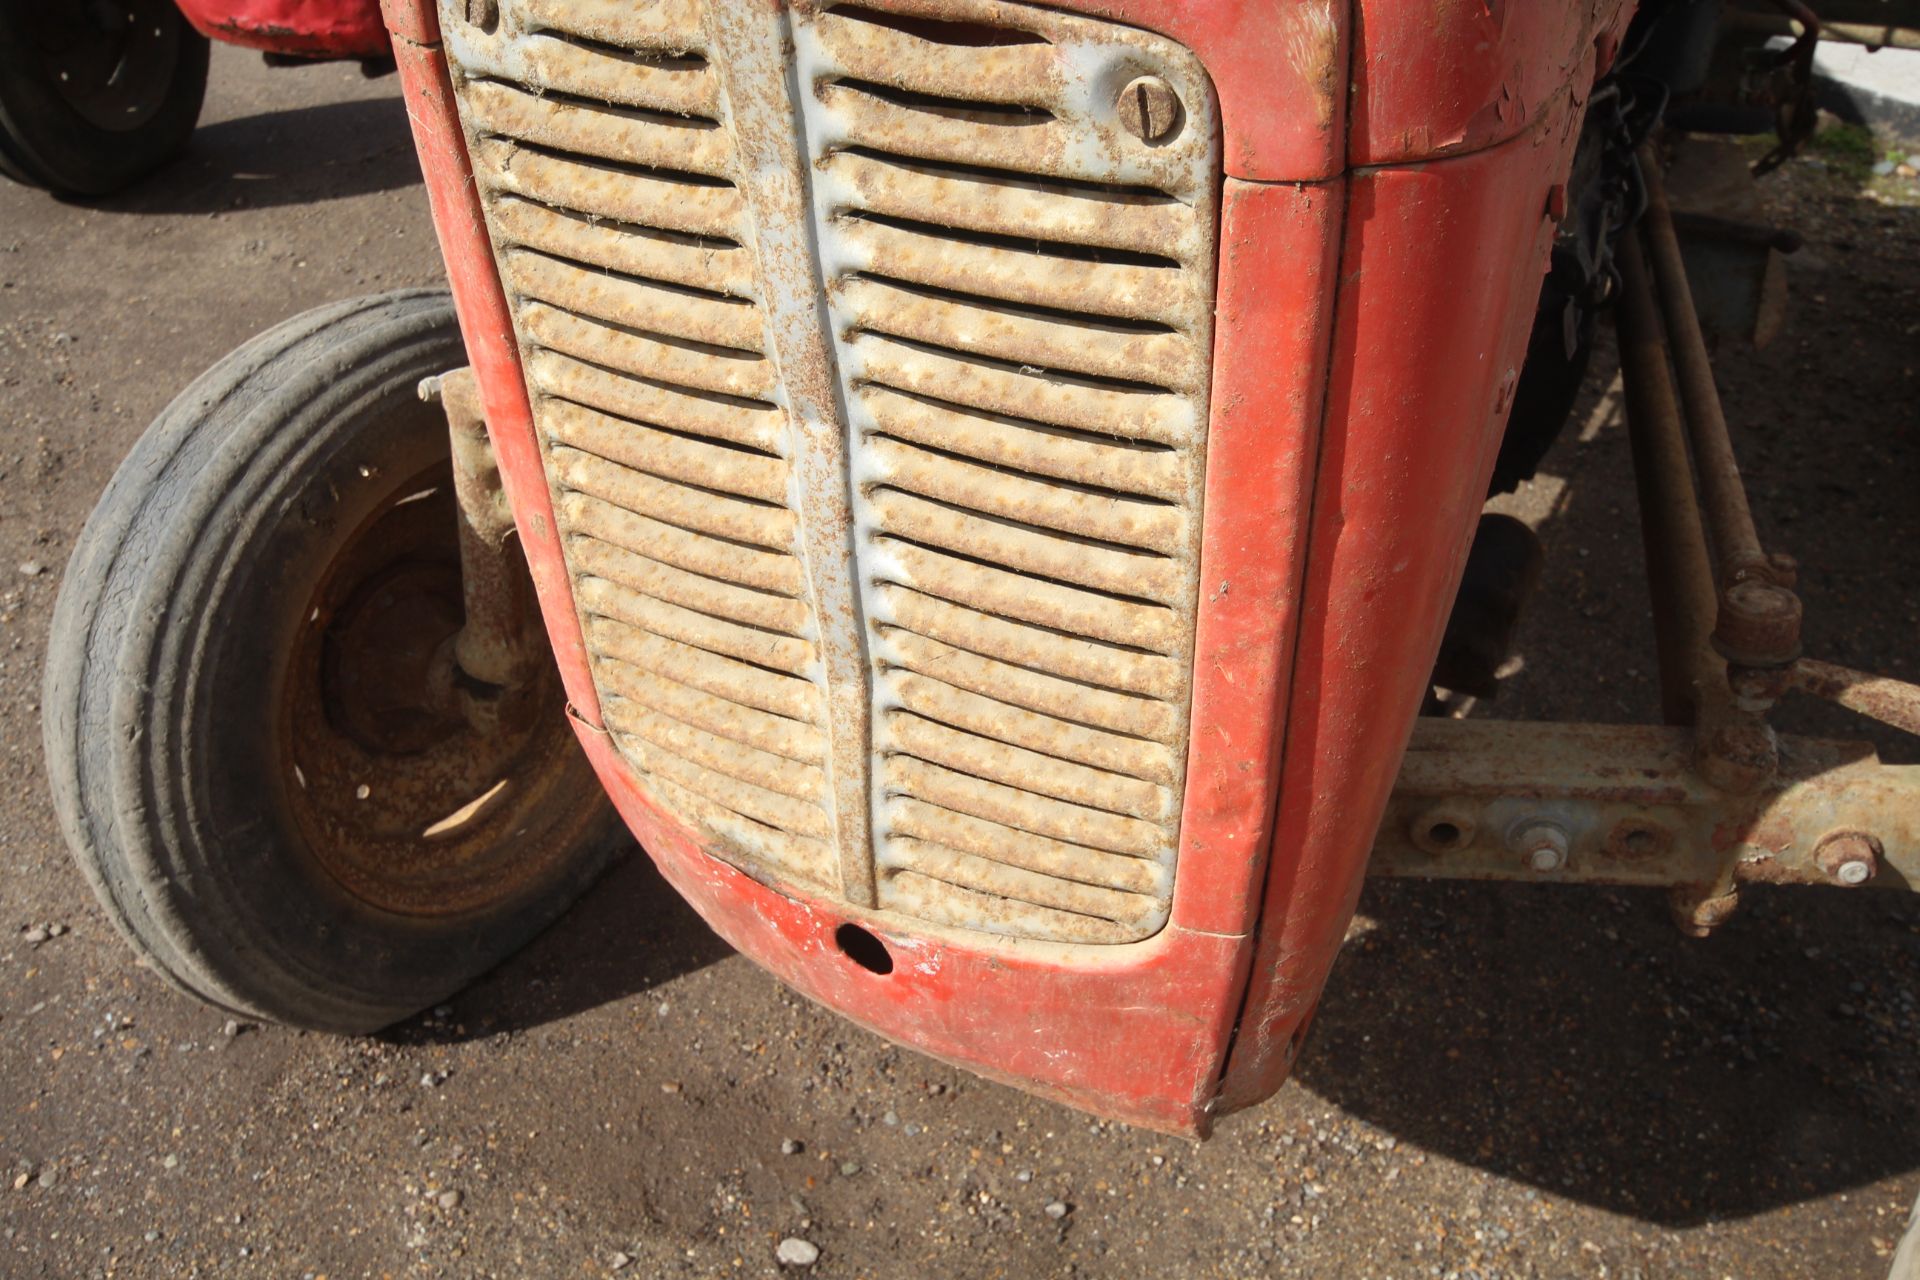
{"x": 1503, "y": 1082}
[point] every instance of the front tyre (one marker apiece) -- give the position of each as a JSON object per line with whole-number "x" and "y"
{"x": 254, "y": 729}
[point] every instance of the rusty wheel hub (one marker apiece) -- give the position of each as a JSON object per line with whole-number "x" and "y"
{"x": 411, "y": 783}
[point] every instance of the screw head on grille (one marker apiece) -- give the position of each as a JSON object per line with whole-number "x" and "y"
{"x": 1149, "y": 109}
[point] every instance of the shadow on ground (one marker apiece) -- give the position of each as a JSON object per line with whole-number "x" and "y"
{"x": 630, "y": 933}
{"x": 299, "y": 155}
{"x": 1573, "y": 1040}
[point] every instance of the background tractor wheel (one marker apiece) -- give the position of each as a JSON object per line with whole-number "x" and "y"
{"x": 95, "y": 93}
{"x": 262, "y": 753}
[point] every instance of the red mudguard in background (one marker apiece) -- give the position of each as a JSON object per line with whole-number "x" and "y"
{"x": 300, "y": 28}
{"x": 1371, "y": 321}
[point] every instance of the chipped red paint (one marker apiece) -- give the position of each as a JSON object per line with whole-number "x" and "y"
{"x": 1402, "y": 359}
{"x": 305, "y": 28}
{"x": 1433, "y": 80}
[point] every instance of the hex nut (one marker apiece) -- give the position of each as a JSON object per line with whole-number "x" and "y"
{"x": 1848, "y": 858}
{"x": 1543, "y": 845}
{"x": 1758, "y": 624}
{"x": 484, "y": 14}
{"x": 1149, "y": 109}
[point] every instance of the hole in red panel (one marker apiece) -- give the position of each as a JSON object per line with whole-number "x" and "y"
{"x": 863, "y": 948}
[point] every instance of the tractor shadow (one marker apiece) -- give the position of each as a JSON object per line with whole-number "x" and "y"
{"x": 626, "y": 935}
{"x": 1570, "y": 1038}
{"x": 294, "y": 156}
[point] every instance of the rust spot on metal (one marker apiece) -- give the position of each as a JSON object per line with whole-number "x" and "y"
{"x": 1638, "y": 840}
{"x": 1149, "y": 109}
{"x": 1758, "y": 624}
{"x": 1738, "y": 754}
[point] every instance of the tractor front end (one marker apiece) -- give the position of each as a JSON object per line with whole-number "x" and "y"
{"x": 998, "y": 485}
{"x": 996, "y": 475}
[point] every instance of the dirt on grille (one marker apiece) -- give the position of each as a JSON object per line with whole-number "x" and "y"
{"x": 1505, "y": 1081}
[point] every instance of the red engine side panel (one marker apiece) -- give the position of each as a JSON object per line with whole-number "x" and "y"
{"x": 305, "y": 28}
{"x": 1439, "y": 277}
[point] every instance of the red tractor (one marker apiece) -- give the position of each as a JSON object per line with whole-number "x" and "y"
{"x": 982, "y": 488}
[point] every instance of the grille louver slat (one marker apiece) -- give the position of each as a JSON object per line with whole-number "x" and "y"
{"x": 1018, "y": 307}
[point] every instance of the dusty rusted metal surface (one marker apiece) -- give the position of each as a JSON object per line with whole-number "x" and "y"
{"x": 1016, "y": 210}
{"x": 1716, "y": 798}
{"x": 1758, "y": 619}
{"x": 751, "y": 49}
{"x": 1887, "y": 700}
{"x": 869, "y": 353}
{"x": 1634, "y": 810}
{"x": 616, "y": 191}
{"x": 1732, "y": 747}
{"x": 496, "y": 645}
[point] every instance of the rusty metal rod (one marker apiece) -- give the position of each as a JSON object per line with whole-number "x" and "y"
{"x": 1882, "y": 698}
{"x": 1736, "y": 543}
{"x": 493, "y": 646}
{"x": 1679, "y": 576}
{"x": 1875, "y": 35}
{"x": 1758, "y": 620}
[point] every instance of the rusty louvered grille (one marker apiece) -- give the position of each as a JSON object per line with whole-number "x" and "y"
{"x": 1014, "y": 294}
{"x": 612, "y": 194}
{"x": 1021, "y": 292}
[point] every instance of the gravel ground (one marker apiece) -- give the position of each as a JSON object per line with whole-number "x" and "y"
{"x": 1504, "y": 1082}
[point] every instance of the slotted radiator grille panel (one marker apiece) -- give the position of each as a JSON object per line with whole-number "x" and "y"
{"x": 609, "y": 178}
{"x": 1022, "y": 297}
{"x": 1018, "y": 294}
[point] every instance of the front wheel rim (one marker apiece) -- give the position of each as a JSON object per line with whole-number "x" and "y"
{"x": 391, "y": 787}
